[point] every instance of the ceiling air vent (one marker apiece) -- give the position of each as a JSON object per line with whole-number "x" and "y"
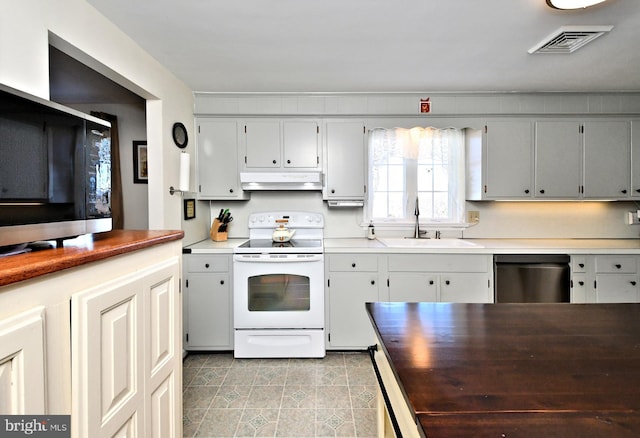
{"x": 568, "y": 39}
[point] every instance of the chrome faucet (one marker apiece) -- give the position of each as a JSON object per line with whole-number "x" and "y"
{"x": 416, "y": 231}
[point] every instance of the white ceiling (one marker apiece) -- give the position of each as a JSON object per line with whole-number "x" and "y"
{"x": 380, "y": 45}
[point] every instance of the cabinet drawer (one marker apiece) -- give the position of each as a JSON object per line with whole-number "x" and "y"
{"x": 353, "y": 262}
{"x": 207, "y": 263}
{"x": 578, "y": 264}
{"x": 439, "y": 263}
{"x": 616, "y": 264}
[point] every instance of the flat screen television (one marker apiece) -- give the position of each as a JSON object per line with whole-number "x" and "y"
{"x": 55, "y": 170}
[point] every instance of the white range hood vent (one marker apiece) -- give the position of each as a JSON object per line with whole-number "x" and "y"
{"x": 347, "y": 203}
{"x": 252, "y": 181}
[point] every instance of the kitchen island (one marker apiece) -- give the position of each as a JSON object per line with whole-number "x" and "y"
{"x": 509, "y": 370}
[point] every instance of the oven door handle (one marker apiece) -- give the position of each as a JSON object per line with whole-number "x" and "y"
{"x": 277, "y": 258}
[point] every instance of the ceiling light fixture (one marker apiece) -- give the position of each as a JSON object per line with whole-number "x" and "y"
{"x": 572, "y": 4}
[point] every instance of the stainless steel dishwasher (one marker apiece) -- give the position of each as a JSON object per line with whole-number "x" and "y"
{"x": 531, "y": 278}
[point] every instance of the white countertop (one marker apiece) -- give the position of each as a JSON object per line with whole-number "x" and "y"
{"x": 487, "y": 246}
{"x": 471, "y": 246}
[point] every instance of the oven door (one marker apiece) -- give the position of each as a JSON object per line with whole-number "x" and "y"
{"x": 281, "y": 291}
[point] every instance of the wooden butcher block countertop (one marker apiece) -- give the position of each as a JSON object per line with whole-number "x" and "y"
{"x": 80, "y": 251}
{"x": 515, "y": 370}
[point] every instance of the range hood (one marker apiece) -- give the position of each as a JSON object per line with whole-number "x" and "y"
{"x": 281, "y": 181}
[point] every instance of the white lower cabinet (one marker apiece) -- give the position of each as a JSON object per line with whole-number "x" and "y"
{"x": 22, "y": 363}
{"x": 354, "y": 279}
{"x": 453, "y": 278}
{"x": 605, "y": 279}
{"x": 126, "y": 356}
{"x": 208, "y": 321}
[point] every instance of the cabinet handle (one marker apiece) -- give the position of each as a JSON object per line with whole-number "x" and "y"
{"x": 221, "y": 281}
{"x": 333, "y": 190}
{"x": 288, "y": 161}
{"x": 623, "y": 191}
{"x": 542, "y": 191}
{"x": 431, "y": 282}
{"x": 353, "y": 265}
{"x": 581, "y": 283}
{"x": 581, "y": 265}
{"x": 618, "y": 266}
{"x": 274, "y": 161}
{"x": 230, "y": 190}
{"x": 526, "y": 191}
{"x": 206, "y": 265}
{"x": 373, "y": 282}
{"x": 637, "y": 190}
{"x": 633, "y": 283}
{"x": 447, "y": 282}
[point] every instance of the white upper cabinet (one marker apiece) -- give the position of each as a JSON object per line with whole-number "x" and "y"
{"x": 281, "y": 144}
{"x": 558, "y": 159}
{"x": 635, "y": 159}
{"x": 508, "y": 159}
{"x": 606, "y": 159}
{"x": 217, "y": 160}
{"x": 262, "y": 143}
{"x": 345, "y": 160}
{"x": 504, "y": 165}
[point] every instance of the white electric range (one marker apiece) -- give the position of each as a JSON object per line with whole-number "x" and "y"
{"x": 279, "y": 288}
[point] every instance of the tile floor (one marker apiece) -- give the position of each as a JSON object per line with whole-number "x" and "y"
{"x": 330, "y": 397}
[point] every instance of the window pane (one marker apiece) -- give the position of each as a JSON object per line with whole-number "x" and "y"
{"x": 425, "y": 178}
{"x": 396, "y": 178}
{"x": 440, "y": 179}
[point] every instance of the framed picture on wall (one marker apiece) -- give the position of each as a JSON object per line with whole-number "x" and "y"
{"x": 140, "y": 167}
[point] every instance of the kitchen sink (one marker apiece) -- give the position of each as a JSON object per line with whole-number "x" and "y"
{"x": 400, "y": 242}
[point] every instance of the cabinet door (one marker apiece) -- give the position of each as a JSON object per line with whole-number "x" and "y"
{"x": 346, "y": 164}
{"x": 413, "y": 287}
{"x": 208, "y": 301}
{"x": 635, "y": 159}
{"x": 508, "y": 159}
{"x": 108, "y": 360}
{"x": 606, "y": 159}
{"x": 163, "y": 353}
{"x": 262, "y": 144}
{"x": 613, "y": 288}
{"x": 558, "y": 158}
{"x": 300, "y": 144}
{"x": 217, "y": 160}
{"x": 579, "y": 288}
{"x": 349, "y": 325}
{"x": 465, "y": 288}
{"x": 22, "y": 364}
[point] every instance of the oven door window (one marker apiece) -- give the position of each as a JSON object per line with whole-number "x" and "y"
{"x": 279, "y": 292}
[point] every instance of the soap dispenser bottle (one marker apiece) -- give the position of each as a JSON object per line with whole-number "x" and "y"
{"x": 371, "y": 232}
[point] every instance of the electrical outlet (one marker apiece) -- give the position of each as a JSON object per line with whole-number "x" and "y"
{"x": 633, "y": 218}
{"x": 473, "y": 216}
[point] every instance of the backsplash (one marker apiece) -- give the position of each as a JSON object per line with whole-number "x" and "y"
{"x": 497, "y": 219}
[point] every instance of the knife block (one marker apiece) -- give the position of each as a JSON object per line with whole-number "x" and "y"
{"x": 218, "y": 236}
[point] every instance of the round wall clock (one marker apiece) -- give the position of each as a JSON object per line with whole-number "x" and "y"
{"x": 180, "y": 136}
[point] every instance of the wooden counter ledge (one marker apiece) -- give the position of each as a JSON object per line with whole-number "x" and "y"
{"x": 79, "y": 251}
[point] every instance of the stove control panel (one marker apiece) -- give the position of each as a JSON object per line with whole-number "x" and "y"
{"x": 296, "y": 219}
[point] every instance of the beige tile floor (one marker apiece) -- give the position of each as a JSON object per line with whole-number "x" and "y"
{"x": 330, "y": 397}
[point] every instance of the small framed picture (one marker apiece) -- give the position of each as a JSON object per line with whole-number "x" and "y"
{"x": 140, "y": 163}
{"x": 189, "y": 209}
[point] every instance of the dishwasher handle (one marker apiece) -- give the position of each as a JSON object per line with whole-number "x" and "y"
{"x": 532, "y": 258}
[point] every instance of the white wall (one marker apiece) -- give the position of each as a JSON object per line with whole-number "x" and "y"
{"x": 497, "y": 219}
{"x": 26, "y": 29}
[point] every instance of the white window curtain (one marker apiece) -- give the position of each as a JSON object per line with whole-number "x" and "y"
{"x": 417, "y": 163}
